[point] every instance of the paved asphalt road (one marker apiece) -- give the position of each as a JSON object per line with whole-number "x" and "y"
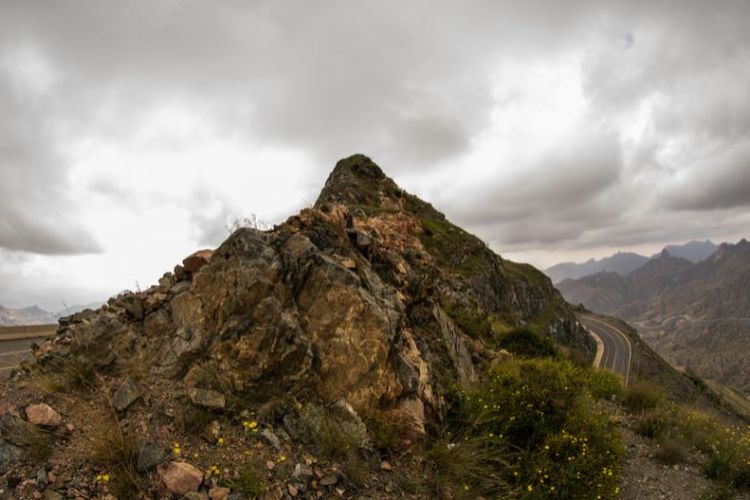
{"x": 617, "y": 349}
{"x": 12, "y": 352}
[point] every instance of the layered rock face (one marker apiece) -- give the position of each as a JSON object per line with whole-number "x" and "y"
{"x": 371, "y": 298}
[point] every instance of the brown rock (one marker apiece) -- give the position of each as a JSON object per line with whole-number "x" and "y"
{"x": 292, "y": 490}
{"x": 194, "y": 262}
{"x": 180, "y": 477}
{"x": 218, "y": 493}
{"x": 206, "y": 397}
{"x": 43, "y": 415}
{"x": 125, "y": 395}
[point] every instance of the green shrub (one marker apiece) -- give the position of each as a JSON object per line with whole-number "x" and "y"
{"x": 653, "y": 422}
{"x": 642, "y": 396}
{"x": 604, "y": 384}
{"x": 528, "y": 343}
{"x": 248, "y": 481}
{"x": 539, "y": 413}
{"x": 471, "y": 321}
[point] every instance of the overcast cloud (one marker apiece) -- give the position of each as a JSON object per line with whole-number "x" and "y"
{"x": 131, "y": 133}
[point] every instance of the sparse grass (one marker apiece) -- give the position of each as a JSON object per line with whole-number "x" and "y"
{"x": 66, "y": 375}
{"x": 194, "y": 419}
{"x": 525, "y": 272}
{"x": 386, "y": 431}
{"x": 672, "y": 450}
{"x": 455, "y": 249}
{"x": 39, "y": 446}
{"x": 642, "y": 396}
{"x": 107, "y": 446}
{"x": 725, "y": 450}
{"x": 653, "y": 422}
{"x": 249, "y": 481}
{"x": 338, "y": 438}
{"x": 468, "y": 467}
{"x": 472, "y": 321}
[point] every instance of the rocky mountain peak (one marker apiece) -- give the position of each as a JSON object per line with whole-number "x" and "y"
{"x": 356, "y": 181}
{"x": 370, "y": 302}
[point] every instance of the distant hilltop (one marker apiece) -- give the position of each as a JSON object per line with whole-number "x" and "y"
{"x": 35, "y": 315}
{"x": 624, "y": 263}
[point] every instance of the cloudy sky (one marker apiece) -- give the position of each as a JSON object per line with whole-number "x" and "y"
{"x": 132, "y": 132}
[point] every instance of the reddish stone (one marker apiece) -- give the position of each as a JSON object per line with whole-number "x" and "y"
{"x": 43, "y": 415}
{"x": 197, "y": 260}
{"x": 181, "y": 477}
{"x": 218, "y": 493}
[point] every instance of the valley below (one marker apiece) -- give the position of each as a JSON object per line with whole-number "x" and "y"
{"x": 694, "y": 314}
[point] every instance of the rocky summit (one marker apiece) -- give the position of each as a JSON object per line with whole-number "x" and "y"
{"x": 368, "y": 307}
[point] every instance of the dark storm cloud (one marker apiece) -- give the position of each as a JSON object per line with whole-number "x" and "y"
{"x": 411, "y": 84}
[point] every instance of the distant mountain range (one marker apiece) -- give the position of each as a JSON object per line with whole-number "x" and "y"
{"x": 27, "y": 316}
{"x": 37, "y": 316}
{"x": 695, "y": 314}
{"x": 624, "y": 263}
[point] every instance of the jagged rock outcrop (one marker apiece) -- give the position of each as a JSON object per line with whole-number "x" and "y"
{"x": 362, "y": 298}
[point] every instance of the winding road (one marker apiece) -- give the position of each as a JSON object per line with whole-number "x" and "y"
{"x": 614, "y": 351}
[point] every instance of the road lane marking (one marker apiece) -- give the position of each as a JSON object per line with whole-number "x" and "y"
{"x": 11, "y": 353}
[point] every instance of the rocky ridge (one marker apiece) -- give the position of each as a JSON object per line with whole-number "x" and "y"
{"x": 366, "y": 308}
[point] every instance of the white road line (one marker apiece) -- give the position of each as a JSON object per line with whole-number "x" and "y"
{"x": 11, "y": 353}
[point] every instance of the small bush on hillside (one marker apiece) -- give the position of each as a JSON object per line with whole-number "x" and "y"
{"x": 642, "y": 396}
{"x": 604, "y": 384}
{"x": 653, "y": 422}
{"x": 248, "y": 481}
{"x": 472, "y": 322}
{"x": 528, "y": 343}
{"x": 672, "y": 450}
{"x": 540, "y": 414}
